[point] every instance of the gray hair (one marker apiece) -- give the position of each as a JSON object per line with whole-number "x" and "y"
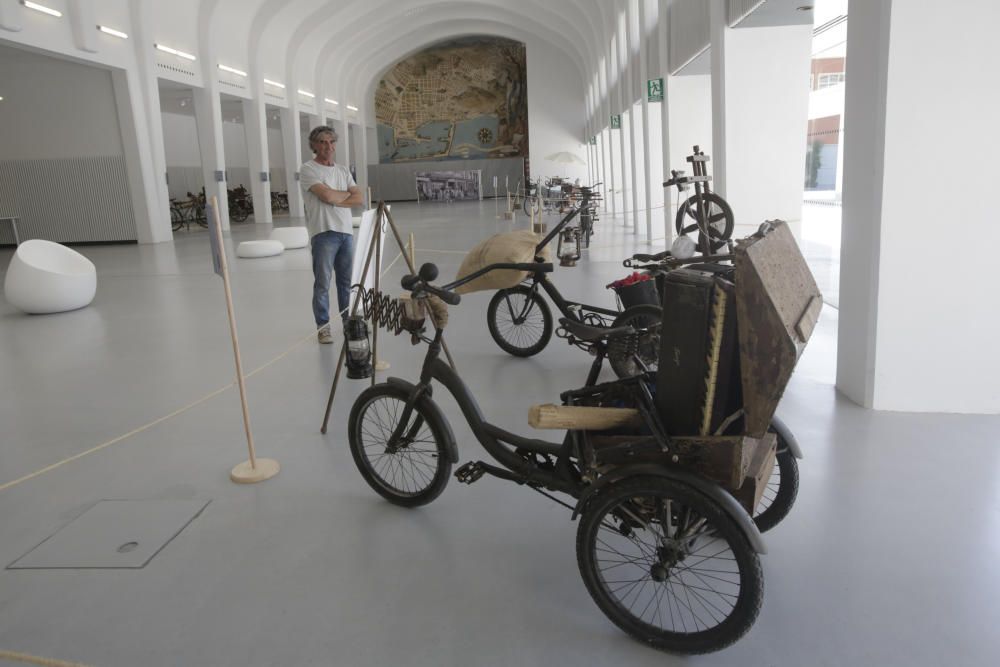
{"x": 322, "y": 129}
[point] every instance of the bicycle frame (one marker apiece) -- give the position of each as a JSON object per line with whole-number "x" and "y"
{"x": 563, "y": 476}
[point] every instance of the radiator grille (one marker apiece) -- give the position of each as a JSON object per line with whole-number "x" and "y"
{"x": 75, "y": 200}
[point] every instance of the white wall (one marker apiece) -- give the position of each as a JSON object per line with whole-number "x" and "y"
{"x": 690, "y": 103}
{"x": 47, "y": 102}
{"x": 767, "y": 100}
{"x": 555, "y": 111}
{"x": 917, "y": 333}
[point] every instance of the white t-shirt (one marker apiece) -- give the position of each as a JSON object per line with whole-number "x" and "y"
{"x": 321, "y": 217}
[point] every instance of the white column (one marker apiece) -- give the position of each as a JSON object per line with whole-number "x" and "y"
{"x": 626, "y": 177}
{"x": 83, "y": 24}
{"x": 137, "y": 96}
{"x": 343, "y": 127}
{"x": 291, "y": 138}
{"x": 643, "y": 91}
{"x": 917, "y": 334}
{"x": 610, "y": 183}
{"x": 255, "y": 120}
{"x": 760, "y": 107}
{"x": 630, "y": 92}
{"x": 208, "y": 115}
{"x": 718, "y": 31}
{"x": 662, "y": 28}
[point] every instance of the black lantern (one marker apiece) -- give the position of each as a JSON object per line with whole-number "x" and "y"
{"x": 568, "y": 249}
{"x": 359, "y": 353}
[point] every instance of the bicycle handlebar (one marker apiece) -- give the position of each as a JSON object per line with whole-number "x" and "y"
{"x": 421, "y": 282}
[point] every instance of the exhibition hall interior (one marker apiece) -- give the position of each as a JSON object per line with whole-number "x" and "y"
{"x": 577, "y": 332}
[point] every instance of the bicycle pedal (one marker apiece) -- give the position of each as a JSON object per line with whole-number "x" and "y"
{"x": 470, "y": 472}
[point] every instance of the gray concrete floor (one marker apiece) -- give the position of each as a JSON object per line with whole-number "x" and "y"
{"x": 888, "y": 558}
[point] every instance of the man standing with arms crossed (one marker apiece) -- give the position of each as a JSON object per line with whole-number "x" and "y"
{"x": 329, "y": 192}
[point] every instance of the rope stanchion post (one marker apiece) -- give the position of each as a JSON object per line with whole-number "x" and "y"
{"x": 253, "y": 470}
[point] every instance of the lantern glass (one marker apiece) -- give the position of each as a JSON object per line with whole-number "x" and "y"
{"x": 359, "y": 355}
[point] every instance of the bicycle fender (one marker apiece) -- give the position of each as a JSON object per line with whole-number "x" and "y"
{"x": 726, "y": 501}
{"x": 426, "y": 402}
{"x": 786, "y": 435}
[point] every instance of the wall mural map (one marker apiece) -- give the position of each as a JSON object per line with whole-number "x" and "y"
{"x": 464, "y": 98}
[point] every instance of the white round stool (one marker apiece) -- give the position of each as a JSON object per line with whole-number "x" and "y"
{"x": 47, "y": 277}
{"x": 265, "y": 248}
{"x": 291, "y": 237}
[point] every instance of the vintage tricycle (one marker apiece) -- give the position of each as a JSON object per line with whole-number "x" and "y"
{"x": 664, "y": 469}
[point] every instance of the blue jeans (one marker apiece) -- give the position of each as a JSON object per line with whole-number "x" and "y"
{"x": 333, "y": 254}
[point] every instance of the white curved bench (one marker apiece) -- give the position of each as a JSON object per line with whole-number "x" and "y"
{"x": 47, "y": 277}
{"x": 264, "y": 248}
{"x": 291, "y": 237}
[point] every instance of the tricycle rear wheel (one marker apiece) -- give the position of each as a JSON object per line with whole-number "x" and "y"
{"x": 668, "y": 565}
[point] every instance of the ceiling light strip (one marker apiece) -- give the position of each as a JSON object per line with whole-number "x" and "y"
{"x": 333, "y": 102}
{"x": 274, "y": 83}
{"x": 306, "y": 93}
{"x": 41, "y": 8}
{"x": 232, "y": 70}
{"x": 111, "y": 31}
{"x": 352, "y": 108}
{"x": 175, "y": 52}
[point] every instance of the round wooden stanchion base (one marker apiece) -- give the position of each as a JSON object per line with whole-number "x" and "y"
{"x": 381, "y": 365}
{"x": 244, "y": 474}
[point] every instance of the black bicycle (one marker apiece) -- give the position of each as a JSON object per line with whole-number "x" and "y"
{"x": 521, "y": 323}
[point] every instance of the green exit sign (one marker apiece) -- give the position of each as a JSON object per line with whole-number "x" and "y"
{"x": 616, "y": 122}
{"x": 654, "y": 90}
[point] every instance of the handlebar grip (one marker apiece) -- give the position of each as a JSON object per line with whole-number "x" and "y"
{"x": 409, "y": 281}
{"x": 450, "y": 298}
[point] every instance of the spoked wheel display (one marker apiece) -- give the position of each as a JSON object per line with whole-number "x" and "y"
{"x": 647, "y": 319}
{"x": 416, "y": 470}
{"x": 720, "y": 219}
{"x": 519, "y": 321}
{"x": 781, "y": 490}
{"x": 668, "y": 566}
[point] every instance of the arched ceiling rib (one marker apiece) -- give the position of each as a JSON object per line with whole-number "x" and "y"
{"x": 325, "y": 44}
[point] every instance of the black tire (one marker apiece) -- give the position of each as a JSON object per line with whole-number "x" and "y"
{"x": 628, "y": 563}
{"x": 418, "y": 471}
{"x": 526, "y": 337}
{"x": 720, "y": 219}
{"x": 648, "y": 318}
{"x": 239, "y": 212}
{"x": 782, "y": 488}
{"x": 176, "y": 218}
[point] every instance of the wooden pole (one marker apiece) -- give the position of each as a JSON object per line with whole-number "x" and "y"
{"x": 378, "y": 364}
{"x": 413, "y": 251}
{"x": 253, "y": 470}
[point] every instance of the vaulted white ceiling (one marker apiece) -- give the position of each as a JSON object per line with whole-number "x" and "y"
{"x": 343, "y": 46}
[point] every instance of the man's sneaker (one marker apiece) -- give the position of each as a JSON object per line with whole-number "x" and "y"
{"x": 324, "y": 335}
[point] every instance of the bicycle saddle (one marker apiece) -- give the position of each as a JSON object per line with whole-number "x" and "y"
{"x": 588, "y": 333}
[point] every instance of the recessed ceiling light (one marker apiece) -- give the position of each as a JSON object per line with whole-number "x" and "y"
{"x": 274, "y": 83}
{"x": 307, "y": 94}
{"x": 352, "y": 108}
{"x": 232, "y": 70}
{"x": 41, "y": 8}
{"x": 111, "y": 31}
{"x": 174, "y": 52}
{"x": 333, "y": 102}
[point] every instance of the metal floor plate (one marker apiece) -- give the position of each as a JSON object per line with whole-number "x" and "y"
{"x": 113, "y": 534}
